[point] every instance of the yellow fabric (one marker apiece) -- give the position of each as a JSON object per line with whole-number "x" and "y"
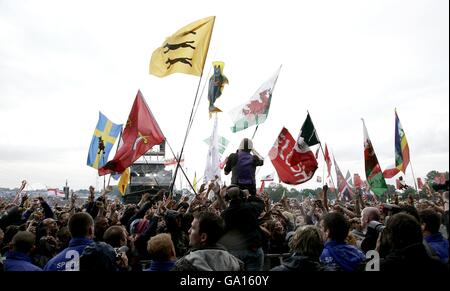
{"x": 105, "y": 135}
{"x": 185, "y": 51}
{"x": 195, "y": 182}
{"x": 124, "y": 180}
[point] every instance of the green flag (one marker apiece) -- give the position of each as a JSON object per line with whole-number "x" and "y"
{"x": 374, "y": 174}
{"x": 308, "y": 132}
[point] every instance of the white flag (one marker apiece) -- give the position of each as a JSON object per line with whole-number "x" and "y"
{"x": 256, "y": 109}
{"x": 212, "y": 168}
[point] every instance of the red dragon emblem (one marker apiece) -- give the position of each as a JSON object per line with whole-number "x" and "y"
{"x": 258, "y": 106}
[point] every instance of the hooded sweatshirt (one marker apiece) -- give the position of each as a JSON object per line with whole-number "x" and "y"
{"x": 209, "y": 259}
{"x": 341, "y": 255}
{"x": 439, "y": 246}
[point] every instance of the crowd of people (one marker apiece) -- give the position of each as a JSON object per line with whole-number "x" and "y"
{"x": 224, "y": 228}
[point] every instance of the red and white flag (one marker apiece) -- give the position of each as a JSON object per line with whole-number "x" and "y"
{"x": 262, "y": 186}
{"x": 281, "y": 153}
{"x": 419, "y": 183}
{"x": 390, "y": 172}
{"x": 55, "y": 192}
{"x": 440, "y": 178}
{"x": 268, "y": 177}
{"x": 357, "y": 181}
{"x": 19, "y": 191}
{"x": 327, "y": 160}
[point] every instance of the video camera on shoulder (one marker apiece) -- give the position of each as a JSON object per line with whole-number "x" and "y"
{"x": 378, "y": 226}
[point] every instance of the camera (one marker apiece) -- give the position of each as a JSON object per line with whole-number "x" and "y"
{"x": 378, "y": 226}
{"x": 120, "y": 251}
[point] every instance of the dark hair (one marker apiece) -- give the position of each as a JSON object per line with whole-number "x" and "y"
{"x": 431, "y": 219}
{"x": 234, "y": 192}
{"x": 403, "y": 230}
{"x": 80, "y": 223}
{"x": 337, "y": 225}
{"x": 113, "y": 236}
{"x": 23, "y": 241}
{"x": 211, "y": 224}
{"x": 411, "y": 210}
{"x": 98, "y": 256}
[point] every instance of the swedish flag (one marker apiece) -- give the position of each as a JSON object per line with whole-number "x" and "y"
{"x": 105, "y": 135}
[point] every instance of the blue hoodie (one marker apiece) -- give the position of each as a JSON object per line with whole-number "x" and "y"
{"x": 160, "y": 266}
{"x": 341, "y": 254}
{"x": 439, "y": 246}
{"x": 17, "y": 261}
{"x": 69, "y": 256}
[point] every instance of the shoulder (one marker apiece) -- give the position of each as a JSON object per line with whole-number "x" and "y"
{"x": 184, "y": 264}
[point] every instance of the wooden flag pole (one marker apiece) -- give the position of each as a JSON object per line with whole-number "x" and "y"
{"x": 412, "y": 172}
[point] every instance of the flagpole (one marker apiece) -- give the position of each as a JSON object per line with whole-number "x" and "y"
{"x": 323, "y": 153}
{"x": 186, "y": 134}
{"x": 117, "y": 148}
{"x": 255, "y": 131}
{"x": 178, "y": 160}
{"x": 323, "y": 174}
{"x": 412, "y": 172}
{"x": 191, "y": 117}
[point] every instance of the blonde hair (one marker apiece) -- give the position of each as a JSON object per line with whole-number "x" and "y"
{"x": 307, "y": 241}
{"x": 161, "y": 248}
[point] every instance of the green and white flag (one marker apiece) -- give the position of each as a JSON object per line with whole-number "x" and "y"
{"x": 255, "y": 111}
{"x": 222, "y": 143}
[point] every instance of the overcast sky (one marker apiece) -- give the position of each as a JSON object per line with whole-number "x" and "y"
{"x": 63, "y": 61}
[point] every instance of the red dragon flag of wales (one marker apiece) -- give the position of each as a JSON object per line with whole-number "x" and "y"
{"x": 281, "y": 153}
{"x": 255, "y": 111}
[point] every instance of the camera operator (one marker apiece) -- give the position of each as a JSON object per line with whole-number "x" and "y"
{"x": 371, "y": 225}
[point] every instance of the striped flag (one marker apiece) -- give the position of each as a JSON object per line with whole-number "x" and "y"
{"x": 401, "y": 146}
{"x": 344, "y": 189}
{"x": 19, "y": 191}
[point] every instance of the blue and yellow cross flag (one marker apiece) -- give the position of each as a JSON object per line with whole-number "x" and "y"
{"x": 105, "y": 135}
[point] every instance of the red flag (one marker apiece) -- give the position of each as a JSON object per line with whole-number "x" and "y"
{"x": 357, "y": 181}
{"x": 262, "y": 186}
{"x": 281, "y": 153}
{"x": 390, "y": 172}
{"x": 327, "y": 160}
{"x": 440, "y": 178}
{"x": 140, "y": 134}
{"x": 344, "y": 189}
{"x": 419, "y": 183}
